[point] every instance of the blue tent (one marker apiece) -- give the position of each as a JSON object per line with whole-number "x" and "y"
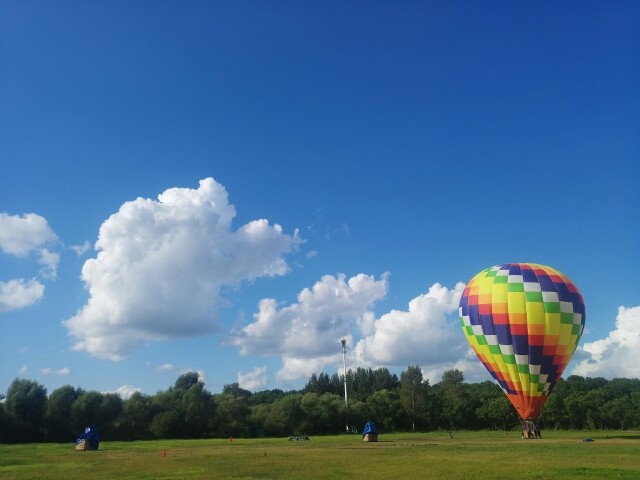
{"x": 369, "y": 428}
{"x": 90, "y": 438}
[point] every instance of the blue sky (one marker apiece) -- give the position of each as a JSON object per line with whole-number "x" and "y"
{"x": 231, "y": 187}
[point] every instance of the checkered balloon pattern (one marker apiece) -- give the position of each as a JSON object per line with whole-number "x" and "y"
{"x": 523, "y": 321}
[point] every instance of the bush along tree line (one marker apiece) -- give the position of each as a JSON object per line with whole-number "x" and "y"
{"x": 407, "y": 403}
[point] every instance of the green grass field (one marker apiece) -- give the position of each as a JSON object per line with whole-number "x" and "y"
{"x": 468, "y": 455}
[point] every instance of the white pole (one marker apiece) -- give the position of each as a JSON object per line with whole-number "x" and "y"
{"x": 344, "y": 362}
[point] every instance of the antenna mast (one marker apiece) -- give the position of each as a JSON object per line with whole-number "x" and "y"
{"x": 344, "y": 363}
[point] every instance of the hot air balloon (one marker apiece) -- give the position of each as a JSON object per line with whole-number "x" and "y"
{"x": 523, "y": 321}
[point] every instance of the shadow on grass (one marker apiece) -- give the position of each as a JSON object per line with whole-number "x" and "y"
{"x": 616, "y": 437}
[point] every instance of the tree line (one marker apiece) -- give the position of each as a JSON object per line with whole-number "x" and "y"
{"x": 405, "y": 403}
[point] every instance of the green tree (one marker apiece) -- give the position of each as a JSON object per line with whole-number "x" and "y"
{"x": 618, "y": 412}
{"x": 619, "y": 387}
{"x": 576, "y": 410}
{"x": 185, "y": 411}
{"x": 359, "y": 414}
{"x": 199, "y": 410}
{"x": 360, "y": 383}
{"x": 634, "y": 398}
{"x": 135, "y": 418}
{"x": 413, "y": 393}
{"x": 285, "y": 416}
{"x": 166, "y": 424}
{"x": 187, "y": 380}
{"x": 26, "y": 402}
{"x": 266, "y": 396}
{"x": 58, "y": 420}
{"x": 594, "y": 401}
{"x": 454, "y": 399}
{"x": 258, "y": 415}
{"x": 385, "y": 409}
{"x": 497, "y": 412}
{"x": 85, "y": 410}
{"x": 554, "y": 413}
{"x": 7, "y": 428}
{"x": 320, "y": 383}
{"x": 108, "y": 414}
{"x": 383, "y": 379}
{"x": 323, "y": 414}
{"x": 232, "y": 412}
{"x": 168, "y": 420}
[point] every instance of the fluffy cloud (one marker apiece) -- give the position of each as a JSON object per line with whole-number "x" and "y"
{"x": 126, "y": 391}
{"x": 81, "y": 249}
{"x": 62, "y": 372}
{"x": 254, "y": 380}
{"x": 614, "y": 356}
{"x": 300, "y": 368}
{"x": 165, "y": 367}
{"x": 19, "y": 293}
{"x": 427, "y": 333}
{"x": 306, "y": 333}
{"x": 161, "y": 265}
{"x": 21, "y": 236}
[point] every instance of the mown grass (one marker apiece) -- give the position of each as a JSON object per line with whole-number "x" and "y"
{"x": 468, "y": 455}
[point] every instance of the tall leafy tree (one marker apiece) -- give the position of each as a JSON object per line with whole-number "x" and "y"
{"x": 58, "y": 420}
{"x": 7, "y": 428}
{"x": 232, "y": 410}
{"x": 168, "y": 420}
{"x": 108, "y": 414}
{"x": 385, "y": 409}
{"x": 135, "y": 418}
{"x": 413, "y": 393}
{"x": 187, "y": 380}
{"x": 497, "y": 412}
{"x": 84, "y": 410}
{"x": 266, "y": 396}
{"x": 618, "y": 412}
{"x": 320, "y": 383}
{"x": 285, "y": 416}
{"x": 199, "y": 411}
{"x": 383, "y": 379}
{"x": 454, "y": 399}
{"x": 25, "y": 403}
{"x": 576, "y": 408}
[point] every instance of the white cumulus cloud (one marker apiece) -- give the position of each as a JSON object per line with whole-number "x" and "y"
{"x": 126, "y": 391}
{"x": 81, "y": 249}
{"x": 19, "y": 293}
{"x": 254, "y": 380}
{"x": 22, "y": 236}
{"x": 161, "y": 265}
{"x": 165, "y": 367}
{"x": 62, "y": 372}
{"x": 616, "y": 355}
{"x": 49, "y": 261}
{"x": 306, "y": 334}
{"x": 426, "y": 333}
{"x": 295, "y": 368}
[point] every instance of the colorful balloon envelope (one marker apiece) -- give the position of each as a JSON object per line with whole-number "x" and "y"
{"x": 523, "y": 321}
